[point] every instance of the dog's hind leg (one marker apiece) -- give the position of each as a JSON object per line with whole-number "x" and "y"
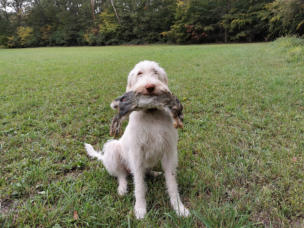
{"x": 122, "y": 185}
{"x": 115, "y": 165}
{"x": 112, "y": 161}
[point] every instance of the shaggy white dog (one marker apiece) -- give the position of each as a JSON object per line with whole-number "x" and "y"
{"x": 149, "y": 138}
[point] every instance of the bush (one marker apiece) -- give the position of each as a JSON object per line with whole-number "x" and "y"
{"x": 26, "y": 37}
{"x": 293, "y": 47}
{"x": 13, "y": 42}
{"x": 58, "y": 38}
{"x": 3, "y": 40}
{"x": 296, "y": 54}
{"x": 23, "y": 37}
{"x": 90, "y": 38}
{"x": 289, "y": 42}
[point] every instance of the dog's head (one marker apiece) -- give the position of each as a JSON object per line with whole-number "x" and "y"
{"x": 148, "y": 78}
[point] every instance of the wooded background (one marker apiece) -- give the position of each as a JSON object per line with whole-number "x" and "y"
{"x": 27, "y": 23}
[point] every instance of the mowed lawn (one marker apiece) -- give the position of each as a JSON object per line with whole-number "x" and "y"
{"x": 241, "y": 157}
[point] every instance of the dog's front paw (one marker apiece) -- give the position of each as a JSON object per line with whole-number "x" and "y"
{"x": 140, "y": 212}
{"x": 184, "y": 212}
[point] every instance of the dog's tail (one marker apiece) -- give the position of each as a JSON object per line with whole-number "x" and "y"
{"x": 93, "y": 153}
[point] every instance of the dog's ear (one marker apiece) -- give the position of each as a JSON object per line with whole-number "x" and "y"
{"x": 129, "y": 86}
{"x": 162, "y": 74}
{"x": 166, "y": 79}
{"x": 128, "y": 89}
{"x": 130, "y": 80}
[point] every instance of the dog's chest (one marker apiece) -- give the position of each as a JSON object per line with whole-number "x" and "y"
{"x": 151, "y": 159}
{"x": 154, "y": 134}
{"x": 152, "y": 150}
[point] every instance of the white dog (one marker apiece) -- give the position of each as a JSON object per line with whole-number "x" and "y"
{"x": 149, "y": 138}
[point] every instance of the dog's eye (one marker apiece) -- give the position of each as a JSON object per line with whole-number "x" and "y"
{"x": 155, "y": 71}
{"x": 139, "y": 73}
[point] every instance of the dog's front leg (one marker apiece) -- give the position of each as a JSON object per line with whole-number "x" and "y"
{"x": 140, "y": 192}
{"x": 169, "y": 164}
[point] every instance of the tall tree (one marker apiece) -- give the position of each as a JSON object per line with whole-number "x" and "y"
{"x": 105, "y": 22}
{"x": 115, "y": 11}
{"x": 286, "y": 17}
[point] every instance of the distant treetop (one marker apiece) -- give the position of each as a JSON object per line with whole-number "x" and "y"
{"x": 25, "y": 23}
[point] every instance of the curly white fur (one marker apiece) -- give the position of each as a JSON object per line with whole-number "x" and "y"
{"x": 149, "y": 138}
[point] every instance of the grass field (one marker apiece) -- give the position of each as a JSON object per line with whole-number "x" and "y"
{"x": 241, "y": 157}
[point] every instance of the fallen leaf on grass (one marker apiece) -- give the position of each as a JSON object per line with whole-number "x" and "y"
{"x": 75, "y": 215}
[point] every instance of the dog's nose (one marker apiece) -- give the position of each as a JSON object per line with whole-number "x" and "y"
{"x": 150, "y": 88}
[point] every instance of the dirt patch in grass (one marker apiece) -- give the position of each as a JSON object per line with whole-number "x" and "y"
{"x": 7, "y": 206}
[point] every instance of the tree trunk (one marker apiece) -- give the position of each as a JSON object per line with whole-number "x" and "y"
{"x": 93, "y": 9}
{"x": 228, "y": 6}
{"x": 4, "y": 5}
{"x": 116, "y": 14}
{"x": 226, "y": 35}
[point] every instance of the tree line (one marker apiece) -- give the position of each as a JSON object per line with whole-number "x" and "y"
{"x": 28, "y": 23}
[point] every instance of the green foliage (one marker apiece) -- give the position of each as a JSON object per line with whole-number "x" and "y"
{"x": 286, "y": 17}
{"x": 195, "y": 22}
{"x": 82, "y": 22}
{"x": 144, "y": 21}
{"x": 108, "y": 23}
{"x": 23, "y": 38}
{"x": 25, "y": 35}
{"x": 90, "y": 37}
{"x": 12, "y": 42}
{"x": 108, "y": 29}
{"x": 244, "y": 21}
{"x": 3, "y": 40}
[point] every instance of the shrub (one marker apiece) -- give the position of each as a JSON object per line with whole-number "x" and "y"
{"x": 90, "y": 38}
{"x": 13, "y": 41}
{"x": 3, "y": 40}
{"x": 26, "y": 37}
{"x": 293, "y": 47}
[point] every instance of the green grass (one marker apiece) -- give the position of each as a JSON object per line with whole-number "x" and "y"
{"x": 240, "y": 152}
